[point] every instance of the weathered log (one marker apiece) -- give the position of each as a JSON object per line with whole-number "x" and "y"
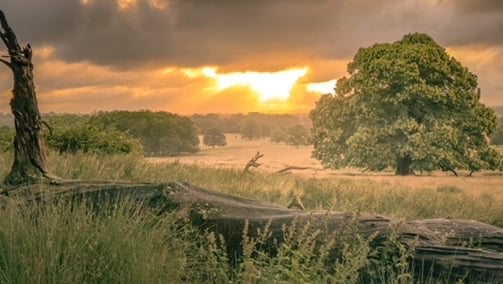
{"x": 289, "y": 168}
{"x": 444, "y": 248}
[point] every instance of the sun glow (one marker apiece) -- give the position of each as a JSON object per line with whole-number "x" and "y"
{"x": 268, "y": 85}
{"x": 327, "y": 87}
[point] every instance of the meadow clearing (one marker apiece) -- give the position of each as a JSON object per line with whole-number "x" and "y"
{"x": 63, "y": 243}
{"x": 278, "y": 156}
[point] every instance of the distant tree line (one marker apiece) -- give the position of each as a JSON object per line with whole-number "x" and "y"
{"x": 150, "y": 133}
{"x": 497, "y": 136}
{"x": 160, "y": 133}
{"x": 285, "y": 128}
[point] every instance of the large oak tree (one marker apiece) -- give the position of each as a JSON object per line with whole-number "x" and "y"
{"x": 406, "y": 105}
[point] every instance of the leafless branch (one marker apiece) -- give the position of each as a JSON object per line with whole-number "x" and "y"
{"x": 253, "y": 162}
{"x": 6, "y": 62}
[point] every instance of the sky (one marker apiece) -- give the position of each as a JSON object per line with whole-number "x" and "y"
{"x": 230, "y": 56}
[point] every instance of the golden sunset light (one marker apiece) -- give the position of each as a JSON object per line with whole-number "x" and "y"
{"x": 172, "y": 130}
{"x": 267, "y": 85}
{"x": 200, "y": 57}
{"x": 326, "y": 87}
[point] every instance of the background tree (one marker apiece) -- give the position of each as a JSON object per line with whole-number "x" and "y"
{"x": 251, "y": 130}
{"x": 297, "y": 135}
{"x": 278, "y": 135}
{"x": 407, "y": 105}
{"x": 497, "y": 136}
{"x": 87, "y": 139}
{"x": 213, "y": 137}
{"x": 160, "y": 133}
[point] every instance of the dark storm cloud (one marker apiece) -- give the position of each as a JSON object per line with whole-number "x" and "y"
{"x": 221, "y": 32}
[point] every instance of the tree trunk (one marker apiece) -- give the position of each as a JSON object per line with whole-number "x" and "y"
{"x": 403, "y": 165}
{"x": 29, "y": 159}
{"x": 442, "y": 246}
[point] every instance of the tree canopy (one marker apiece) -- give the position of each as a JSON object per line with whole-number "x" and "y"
{"x": 405, "y": 105}
{"x": 160, "y": 133}
{"x": 297, "y": 135}
{"x": 251, "y": 130}
{"x": 213, "y": 137}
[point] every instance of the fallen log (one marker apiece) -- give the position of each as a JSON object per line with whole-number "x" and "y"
{"x": 443, "y": 248}
{"x": 289, "y": 168}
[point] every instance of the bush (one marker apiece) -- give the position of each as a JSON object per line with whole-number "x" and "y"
{"x": 89, "y": 139}
{"x": 160, "y": 133}
{"x": 6, "y": 138}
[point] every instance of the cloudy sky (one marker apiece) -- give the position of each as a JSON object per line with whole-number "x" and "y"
{"x": 201, "y": 56}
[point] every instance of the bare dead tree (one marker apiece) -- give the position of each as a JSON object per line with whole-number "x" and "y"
{"x": 253, "y": 162}
{"x": 29, "y": 158}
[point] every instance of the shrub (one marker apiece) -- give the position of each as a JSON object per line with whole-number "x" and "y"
{"x": 89, "y": 139}
{"x": 6, "y": 138}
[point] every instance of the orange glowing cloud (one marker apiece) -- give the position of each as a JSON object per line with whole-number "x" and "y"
{"x": 267, "y": 85}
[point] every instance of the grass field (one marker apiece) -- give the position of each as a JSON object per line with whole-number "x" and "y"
{"x": 238, "y": 152}
{"x": 68, "y": 244}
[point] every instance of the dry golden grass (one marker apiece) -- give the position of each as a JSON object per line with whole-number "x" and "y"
{"x": 278, "y": 156}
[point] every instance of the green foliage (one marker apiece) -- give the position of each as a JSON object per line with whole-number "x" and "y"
{"x": 297, "y": 135}
{"x": 213, "y": 137}
{"x": 408, "y": 106}
{"x": 65, "y": 121}
{"x": 278, "y": 135}
{"x": 6, "y": 138}
{"x": 234, "y": 123}
{"x": 70, "y": 133}
{"x": 251, "y": 130}
{"x": 89, "y": 139}
{"x": 160, "y": 133}
{"x": 65, "y": 243}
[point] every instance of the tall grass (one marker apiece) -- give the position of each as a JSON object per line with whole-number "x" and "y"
{"x": 59, "y": 243}
{"x": 337, "y": 193}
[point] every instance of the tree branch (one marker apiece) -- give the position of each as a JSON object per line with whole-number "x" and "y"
{"x": 4, "y": 39}
{"x": 253, "y": 162}
{"x": 6, "y": 63}
{"x": 8, "y": 36}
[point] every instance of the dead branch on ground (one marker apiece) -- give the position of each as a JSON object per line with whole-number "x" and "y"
{"x": 253, "y": 162}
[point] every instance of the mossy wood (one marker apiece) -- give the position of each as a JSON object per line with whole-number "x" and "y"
{"x": 458, "y": 249}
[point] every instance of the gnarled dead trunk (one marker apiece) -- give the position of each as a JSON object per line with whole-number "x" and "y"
{"x": 29, "y": 159}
